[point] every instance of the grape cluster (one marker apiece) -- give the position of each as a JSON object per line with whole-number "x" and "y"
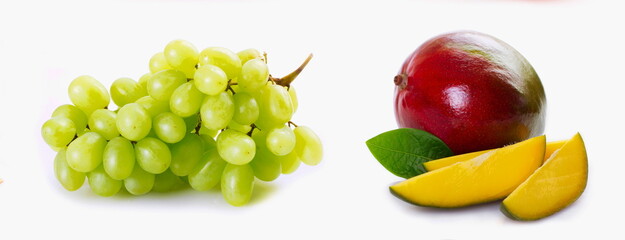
{"x": 197, "y": 118}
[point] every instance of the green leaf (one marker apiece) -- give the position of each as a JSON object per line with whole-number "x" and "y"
{"x": 403, "y": 151}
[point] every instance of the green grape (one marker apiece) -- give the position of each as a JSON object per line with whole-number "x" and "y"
{"x": 186, "y": 100}
{"x": 102, "y": 184}
{"x": 118, "y": 158}
{"x": 88, "y": 94}
{"x": 166, "y": 182}
{"x": 133, "y": 121}
{"x": 85, "y": 153}
{"x": 58, "y": 131}
{"x": 235, "y": 147}
{"x": 239, "y": 128}
{"x": 139, "y": 182}
{"x": 217, "y": 111}
{"x": 210, "y": 79}
{"x": 254, "y": 74}
{"x": 143, "y": 82}
{"x": 209, "y": 132}
{"x": 169, "y": 127}
{"x": 209, "y": 142}
{"x": 126, "y": 90}
{"x": 207, "y": 173}
{"x": 103, "y": 121}
{"x": 237, "y": 184}
{"x": 72, "y": 113}
{"x": 289, "y": 162}
{"x": 249, "y": 54}
{"x": 69, "y": 178}
{"x": 153, "y": 106}
{"x": 275, "y": 107}
{"x": 186, "y": 154}
{"x": 293, "y": 95}
{"x": 223, "y": 58}
{"x": 265, "y": 164}
{"x": 162, "y": 84}
{"x": 191, "y": 122}
{"x": 308, "y": 145}
{"x": 158, "y": 63}
{"x": 281, "y": 141}
{"x": 245, "y": 109}
{"x": 152, "y": 155}
{"x": 182, "y": 55}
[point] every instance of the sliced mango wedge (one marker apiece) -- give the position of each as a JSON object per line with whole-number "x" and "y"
{"x": 444, "y": 162}
{"x": 488, "y": 177}
{"x": 552, "y": 147}
{"x": 555, "y": 185}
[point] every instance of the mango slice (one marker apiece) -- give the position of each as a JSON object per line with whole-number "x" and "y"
{"x": 444, "y": 162}
{"x": 552, "y": 147}
{"x": 486, "y": 178}
{"x": 554, "y": 186}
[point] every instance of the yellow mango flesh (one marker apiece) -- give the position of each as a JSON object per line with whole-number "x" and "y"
{"x": 444, "y": 162}
{"x": 555, "y": 185}
{"x": 552, "y": 147}
{"x": 486, "y": 178}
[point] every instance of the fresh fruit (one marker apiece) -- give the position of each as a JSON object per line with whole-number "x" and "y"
{"x": 281, "y": 141}
{"x": 133, "y": 122}
{"x": 126, "y": 90}
{"x": 84, "y": 154}
{"x": 444, "y": 162}
{"x": 74, "y": 114}
{"x": 193, "y": 120}
{"x": 69, "y": 178}
{"x": 182, "y": 56}
{"x": 472, "y": 91}
{"x": 163, "y": 84}
{"x": 139, "y": 182}
{"x": 88, "y": 94}
{"x": 554, "y": 186}
{"x": 486, "y": 178}
{"x": 102, "y": 184}
{"x": 169, "y": 127}
{"x": 102, "y": 121}
{"x": 237, "y": 182}
{"x": 307, "y": 145}
{"x": 58, "y": 131}
{"x": 552, "y": 147}
{"x": 118, "y": 158}
{"x": 235, "y": 147}
{"x": 152, "y": 155}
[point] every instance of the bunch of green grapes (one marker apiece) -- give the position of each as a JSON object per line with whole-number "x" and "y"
{"x": 197, "y": 118}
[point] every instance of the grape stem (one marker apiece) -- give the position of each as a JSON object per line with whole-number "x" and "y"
{"x": 229, "y": 88}
{"x": 199, "y": 124}
{"x": 288, "y": 79}
{"x": 292, "y": 123}
{"x": 252, "y": 130}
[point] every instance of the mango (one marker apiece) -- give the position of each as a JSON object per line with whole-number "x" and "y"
{"x": 488, "y": 177}
{"x": 554, "y": 186}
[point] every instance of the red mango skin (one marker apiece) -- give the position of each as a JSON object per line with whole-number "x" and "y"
{"x": 471, "y": 90}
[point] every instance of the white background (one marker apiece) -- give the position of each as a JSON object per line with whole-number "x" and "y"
{"x": 345, "y": 94}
